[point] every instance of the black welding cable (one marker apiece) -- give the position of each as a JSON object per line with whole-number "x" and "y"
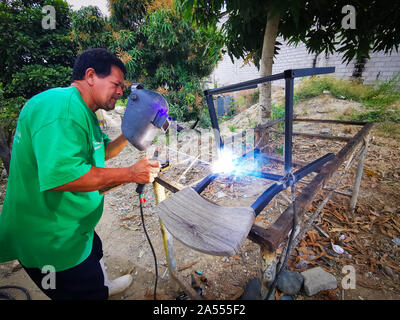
{"x": 151, "y": 246}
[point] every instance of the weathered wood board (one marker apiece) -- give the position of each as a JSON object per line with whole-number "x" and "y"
{"x": 203, "y": 225}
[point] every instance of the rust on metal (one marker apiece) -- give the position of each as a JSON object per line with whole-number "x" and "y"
{"x": 313, "y": 135}
{"x": 275, "y": 234}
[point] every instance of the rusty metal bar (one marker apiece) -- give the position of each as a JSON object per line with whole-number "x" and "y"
{"x": 313, "y": 135}
{"x": 357, "y": 123}
{"x": 271, "y": 238}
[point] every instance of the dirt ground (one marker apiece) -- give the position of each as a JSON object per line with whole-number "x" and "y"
{"x": 367, "y": 236}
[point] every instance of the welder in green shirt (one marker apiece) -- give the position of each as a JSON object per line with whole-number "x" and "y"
{"x": 52, "y": 203}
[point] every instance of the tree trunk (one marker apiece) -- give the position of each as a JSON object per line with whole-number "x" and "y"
{"x": 267, "y": 57}
{"x": 5, "y": 154}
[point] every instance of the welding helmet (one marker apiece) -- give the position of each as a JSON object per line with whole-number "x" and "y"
{"x": 146, "y": 112}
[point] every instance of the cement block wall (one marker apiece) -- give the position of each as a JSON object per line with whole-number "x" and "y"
{"x": 379, "y": 67}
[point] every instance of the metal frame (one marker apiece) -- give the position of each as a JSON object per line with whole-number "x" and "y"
{"x": 270, "y": 238}
{"x": 288, "y": 178}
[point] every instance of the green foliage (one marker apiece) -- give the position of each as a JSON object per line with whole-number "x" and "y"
{"x": 205, "y": 121}
{"x": 176, "y": 53}
{"x": 187, "y": 103}
{"x": 244, "y": 26}
{"x": 320, "y": 28}
{"x": 23, "y": 41}
{"x": 232, "y": 128}
{"x": 90, "y": 28}
{"x": 128, "y": 14}
{"x": 172, "y": 57}
{"x": 279, "y": 150}
{"x": 388, "y": 129}
{"x": 32, "y": 59}
{"x": 318, "y": 24}
{"x": 278, "y": 112}
{"x": 9, "y": 111}
{"x": 33, "y": 79}
{"x": 159, "y": 49}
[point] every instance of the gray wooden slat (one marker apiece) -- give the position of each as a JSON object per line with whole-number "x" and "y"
{"x": 203, "y": 225}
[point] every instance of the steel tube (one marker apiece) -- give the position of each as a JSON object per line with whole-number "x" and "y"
{"x": 273, "y": 190}
{"x": 289, "y": 83}
{"x": 214, "y": 121}
{"x": 245, "y": 84}
{"x": 205, "y": 182}
{"x": 296, "y": 73}
{"x": 275, "y": 234}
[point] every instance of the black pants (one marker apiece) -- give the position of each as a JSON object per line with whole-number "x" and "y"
{"x": 82, "y": 282}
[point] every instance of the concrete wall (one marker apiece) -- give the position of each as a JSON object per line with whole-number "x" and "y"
{"x": 378, "y": 67}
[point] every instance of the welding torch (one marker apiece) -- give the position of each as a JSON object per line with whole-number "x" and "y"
{"x": 140, "y": 187}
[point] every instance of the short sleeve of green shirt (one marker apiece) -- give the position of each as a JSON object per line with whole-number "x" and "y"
{"x": 58, "y": 140}
{"x": 61, "y": 153}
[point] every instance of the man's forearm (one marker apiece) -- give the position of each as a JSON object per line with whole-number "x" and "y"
{"x": 98, "y": 178}
{"x": 115, "y": 147}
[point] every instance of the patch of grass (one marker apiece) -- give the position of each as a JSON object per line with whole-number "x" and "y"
{"x": 379, "y": 99}
{"x": 279, "y": 150}
{"x": 121, "y": 102}
{"x": 278, "y": 112}
{"x": 388, "y": 129}
{"x": 232, "y": 128}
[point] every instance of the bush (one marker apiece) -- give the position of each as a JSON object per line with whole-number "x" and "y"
{"x": 161, "y": 51}
{"x": 187, "y": 103}
{"x": 32, "y": 59}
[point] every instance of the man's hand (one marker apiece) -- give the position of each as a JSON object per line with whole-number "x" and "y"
{"x": 145, "y": 170}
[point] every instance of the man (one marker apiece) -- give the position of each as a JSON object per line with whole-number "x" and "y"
{"x": 52, "y": 203}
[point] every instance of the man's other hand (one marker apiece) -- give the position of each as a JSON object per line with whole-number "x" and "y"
{"x": 145, "y": 170}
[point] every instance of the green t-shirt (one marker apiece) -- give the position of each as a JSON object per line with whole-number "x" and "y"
{"x": 58, "y": 139}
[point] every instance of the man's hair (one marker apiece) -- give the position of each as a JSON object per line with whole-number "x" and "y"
{"x": 99, "y": 59}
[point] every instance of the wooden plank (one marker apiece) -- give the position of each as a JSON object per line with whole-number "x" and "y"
{"x": 203, "y": 225}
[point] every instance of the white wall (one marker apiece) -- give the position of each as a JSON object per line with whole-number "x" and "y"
{"x": 378, "y": 67}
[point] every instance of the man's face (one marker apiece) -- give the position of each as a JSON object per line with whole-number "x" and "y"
{"x": 107, "y": 90}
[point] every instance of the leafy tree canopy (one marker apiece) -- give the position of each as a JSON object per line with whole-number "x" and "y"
{"x": 317, "y": 23}
{"x": 32, "y": 59}
{"x": 160, "y": 50}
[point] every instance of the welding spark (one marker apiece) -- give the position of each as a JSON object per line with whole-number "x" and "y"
{"x": 230, "y": 164}
{"x": 226, "y": 163}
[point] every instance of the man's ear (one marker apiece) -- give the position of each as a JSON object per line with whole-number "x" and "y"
{"x": 90, "y": 76}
